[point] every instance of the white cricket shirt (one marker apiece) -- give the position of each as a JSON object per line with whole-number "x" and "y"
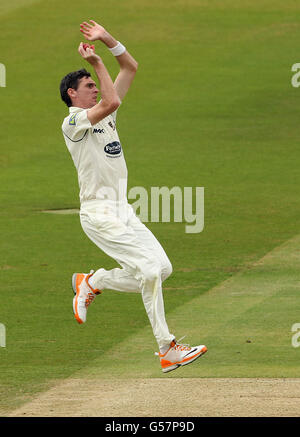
{"x": 97, "y": 154}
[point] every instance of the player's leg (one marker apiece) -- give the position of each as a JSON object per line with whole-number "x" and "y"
{"x": 141, "y": 269}
{"x": 173, "y": 355}
{"x": 106, "y": 237}
{"x": 122, "y": 243}
{"x": 150, "y": 241}
{"x": 122, "y": 279}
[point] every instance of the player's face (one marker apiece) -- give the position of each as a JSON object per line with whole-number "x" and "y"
{"x": 86, "y": 93}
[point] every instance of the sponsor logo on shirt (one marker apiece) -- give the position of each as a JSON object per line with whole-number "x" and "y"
{"x": 113, "y": 149}
{"x": 113, "y": 126}
{"x": 98, "y": 131}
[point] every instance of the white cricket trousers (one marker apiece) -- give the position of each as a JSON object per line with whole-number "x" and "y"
{"x": 117, "y": 231}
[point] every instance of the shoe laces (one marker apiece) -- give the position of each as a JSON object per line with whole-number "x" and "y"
{"x": 90, "y": 298}
{"x": 178, "y": 346}
{"x": 181, "y": 346}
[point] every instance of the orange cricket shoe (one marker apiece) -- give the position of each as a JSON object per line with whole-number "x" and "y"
{"x": 180, "y": 355}
{"x": 84, "y": 295}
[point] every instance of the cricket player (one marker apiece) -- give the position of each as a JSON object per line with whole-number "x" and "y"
{"x": 106, "y": 217}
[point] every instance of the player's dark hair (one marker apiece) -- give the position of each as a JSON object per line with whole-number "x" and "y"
{"x": 71, "y": 80}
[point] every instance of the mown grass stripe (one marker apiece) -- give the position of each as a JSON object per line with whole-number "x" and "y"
{"x": 7, "y": 7}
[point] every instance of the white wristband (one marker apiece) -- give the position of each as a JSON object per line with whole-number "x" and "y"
{"x": 118, "y": 50}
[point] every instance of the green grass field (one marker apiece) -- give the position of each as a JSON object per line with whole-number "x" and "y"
{"x": 212, "y": 106}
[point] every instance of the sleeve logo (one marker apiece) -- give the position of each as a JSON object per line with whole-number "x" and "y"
{"x": 72, "y": 120}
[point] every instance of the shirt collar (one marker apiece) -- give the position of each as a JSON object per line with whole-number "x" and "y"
{"x": 74, "y": 109}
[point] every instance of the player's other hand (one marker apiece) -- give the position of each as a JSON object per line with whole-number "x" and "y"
{"x": 93, "y": 32}
{"x": 88, "y": 53}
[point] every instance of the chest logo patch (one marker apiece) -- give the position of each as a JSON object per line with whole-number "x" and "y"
{"x": 113, "y": 149}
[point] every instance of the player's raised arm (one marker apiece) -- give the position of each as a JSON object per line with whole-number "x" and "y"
{"x": 109, "y": 98}
{"x": 128, "y": 65}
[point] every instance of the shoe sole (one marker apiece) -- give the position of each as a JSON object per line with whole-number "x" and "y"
{"x": 175, "y": 366}
{"x": 75, "y": 299}
{"x": 74, "y": 283}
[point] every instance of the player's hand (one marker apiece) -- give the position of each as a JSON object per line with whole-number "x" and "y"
{"x": 93, "y": 32}
{"x": 88, "y": 53}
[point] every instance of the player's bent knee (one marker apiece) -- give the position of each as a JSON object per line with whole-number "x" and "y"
{"x": 166, "y": 270}
{"x": 152, "y": 274}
